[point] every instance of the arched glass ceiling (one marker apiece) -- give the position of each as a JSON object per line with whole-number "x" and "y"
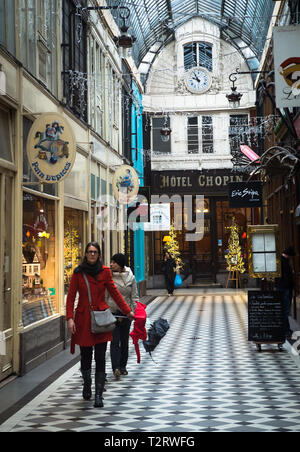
{"x": 243, "y": 23}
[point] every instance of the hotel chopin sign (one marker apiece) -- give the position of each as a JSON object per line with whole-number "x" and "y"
{"x": 193, "y": 182}
{"x": 51, "y": 148}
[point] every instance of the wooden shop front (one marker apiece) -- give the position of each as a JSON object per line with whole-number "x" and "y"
{"x": 205, "y": 257}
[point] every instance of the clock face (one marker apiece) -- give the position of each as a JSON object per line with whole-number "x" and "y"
{"x": 198, "y": 80}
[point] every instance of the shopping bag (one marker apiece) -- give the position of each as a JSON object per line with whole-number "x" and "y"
{"x": 178, "y": 281}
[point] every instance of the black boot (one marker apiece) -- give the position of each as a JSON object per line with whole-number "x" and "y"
{"x": 87, "y": 384}
{"x": 99, "y": 387}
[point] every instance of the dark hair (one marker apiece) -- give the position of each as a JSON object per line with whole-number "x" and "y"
{"x": 85, "y": 266}
{"x": 95, "y": 245}
{"x": 119, "y": 259}
{"x": 289, "y": 251}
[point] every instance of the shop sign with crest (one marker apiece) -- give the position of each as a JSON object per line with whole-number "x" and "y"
{"x": 51, "y": 148}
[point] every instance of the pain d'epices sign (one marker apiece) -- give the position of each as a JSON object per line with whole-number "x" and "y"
{"x": 51, "y": 148}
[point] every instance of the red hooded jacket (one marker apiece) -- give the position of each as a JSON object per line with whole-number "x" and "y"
{"x": 139, "y": 330}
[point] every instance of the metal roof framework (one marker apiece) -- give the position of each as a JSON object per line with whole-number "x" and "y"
{"x": 243, "y": 23}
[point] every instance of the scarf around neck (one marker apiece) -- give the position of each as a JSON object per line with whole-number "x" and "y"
{"x": 92, "y": 270}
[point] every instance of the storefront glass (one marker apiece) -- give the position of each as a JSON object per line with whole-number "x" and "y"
{"x": 6, "y": 281}
{"x": 73, "y": 242}
{"x": 75, "y": 183}
{"x": 224, "y": 215}
{"x": 5, "y": 135}
{"x": 39, "y": 259}
{"x": 207, "y": 256}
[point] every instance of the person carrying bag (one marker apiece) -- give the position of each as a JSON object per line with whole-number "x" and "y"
{"x": 79, "y": 325}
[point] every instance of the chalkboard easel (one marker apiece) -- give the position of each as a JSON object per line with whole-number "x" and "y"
{"x": 266, "y": 324}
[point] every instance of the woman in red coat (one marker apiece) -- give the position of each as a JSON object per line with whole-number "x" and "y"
{"x": 79, "y": 326}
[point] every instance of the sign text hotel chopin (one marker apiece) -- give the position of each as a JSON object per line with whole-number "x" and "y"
{"x": 193, "y": 182}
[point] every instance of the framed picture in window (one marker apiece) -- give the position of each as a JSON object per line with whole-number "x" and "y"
{"x": 263, "y": 251}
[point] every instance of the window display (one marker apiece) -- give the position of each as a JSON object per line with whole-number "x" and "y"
{"x": 39, "y": 259}
{"x": 73, "y": 242}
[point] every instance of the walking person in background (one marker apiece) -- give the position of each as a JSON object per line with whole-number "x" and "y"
{"x": 168, "y": 268}
{"x": 79, "y": 326}
{"x": 126, "y": 284}
{"x": 285, "y": 284}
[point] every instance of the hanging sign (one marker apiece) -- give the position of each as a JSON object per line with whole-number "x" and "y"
{"x": 126, "y": 184}
{"x": 51, "y": 148}
{"x": 287, "y": 66}
{"x": 245, "y": 194}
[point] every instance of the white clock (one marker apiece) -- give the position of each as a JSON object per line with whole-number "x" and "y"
{"x": 198, "y": 80}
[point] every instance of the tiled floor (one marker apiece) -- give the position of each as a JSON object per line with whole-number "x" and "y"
{"x": 206, "y": 377}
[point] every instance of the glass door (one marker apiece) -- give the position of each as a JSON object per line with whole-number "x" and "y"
{"x": 6, "y": 240}
{"x": 201, "y": 250}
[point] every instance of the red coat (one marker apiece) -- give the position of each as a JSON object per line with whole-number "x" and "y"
{"x": 83, "y": 336}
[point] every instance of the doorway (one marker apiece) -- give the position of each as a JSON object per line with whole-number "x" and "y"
{"x": 200, "y": 251}
{"x": 6, "y": 307}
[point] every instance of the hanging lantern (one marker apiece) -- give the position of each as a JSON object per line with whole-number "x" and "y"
{"x": 165, "y": 133}
{"x": 124, "y": 40}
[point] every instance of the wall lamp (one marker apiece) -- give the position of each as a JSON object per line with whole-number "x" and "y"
{"x": 234, "y": 97}
{"x": 165, "y": 131}
{"x": 124, "y": 40}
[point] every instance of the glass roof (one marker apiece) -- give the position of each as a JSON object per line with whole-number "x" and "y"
{"x": 243, "y": 23}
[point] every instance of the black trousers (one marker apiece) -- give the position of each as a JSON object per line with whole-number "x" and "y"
{"x": 170, "y": 284}
{"x": 87, "y": 356}
{"x": 120, "y": 344}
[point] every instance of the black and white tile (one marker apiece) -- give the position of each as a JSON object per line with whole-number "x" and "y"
{"x": 206, "y": 377}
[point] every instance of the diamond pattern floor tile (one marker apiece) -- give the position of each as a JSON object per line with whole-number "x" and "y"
{"x": 206, "y": 377}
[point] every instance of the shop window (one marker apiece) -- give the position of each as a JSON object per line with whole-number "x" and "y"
{"x": 73, "y": 242}
{"x": 39, "y": 280}
{"x": 76, "y": 182}
{"x": 7, "y": 25}
{"x": 198, "y": 54}
{"x": 5, "y": 135}
{"x": 224, "y": 219}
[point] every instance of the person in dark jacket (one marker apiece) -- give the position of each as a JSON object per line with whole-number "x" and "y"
{"x": 168, "y": 268}
{"x": 285, "y": 285}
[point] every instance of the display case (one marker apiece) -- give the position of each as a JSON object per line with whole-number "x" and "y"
{"x": 263, "y": 251}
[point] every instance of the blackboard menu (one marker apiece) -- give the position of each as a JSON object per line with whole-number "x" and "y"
{"x": 245, "y": 194}
{"x": 265, "y": 317}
